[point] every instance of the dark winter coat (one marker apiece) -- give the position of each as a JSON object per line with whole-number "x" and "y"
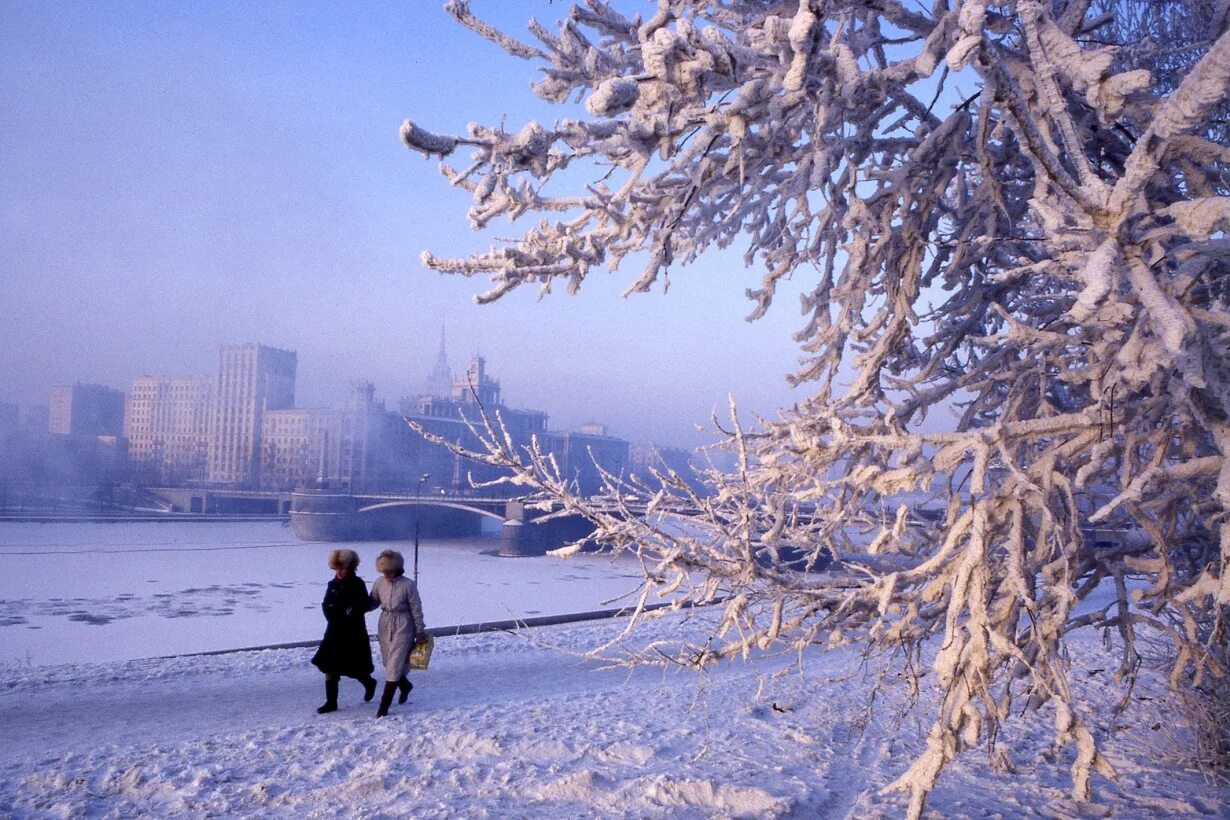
{"x": 345, "y": 649}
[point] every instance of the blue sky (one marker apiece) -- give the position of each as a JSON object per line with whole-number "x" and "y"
{"x": 177, "y": 176}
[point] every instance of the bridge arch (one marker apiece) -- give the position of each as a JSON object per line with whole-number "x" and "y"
{"x": 431, "y": 503}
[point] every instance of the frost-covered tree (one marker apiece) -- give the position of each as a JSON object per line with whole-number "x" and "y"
{"x": 1169, "y": 36}
{"x": 996, "y": 218}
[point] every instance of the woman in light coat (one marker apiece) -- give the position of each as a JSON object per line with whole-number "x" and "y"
{"x": 401, "y": 622}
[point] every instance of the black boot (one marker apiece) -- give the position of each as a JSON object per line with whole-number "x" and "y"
{"x": 330, "y": 697}
{"x": 369, "y": 688}
{"x": 403, "y": 688}
{"x": 386, "y": 698}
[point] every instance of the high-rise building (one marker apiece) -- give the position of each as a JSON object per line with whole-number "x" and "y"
{"x": 251, "y": 380}
{"x": 33, "y": 418}
{"x": 363, "y": 428}
{"x": 86, "y": 410}
{"x": 166, "y": 422}
{"x": 299, "y": 447}
{"x": 336, "y": 448}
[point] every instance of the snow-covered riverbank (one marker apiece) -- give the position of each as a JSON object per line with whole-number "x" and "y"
{"x": 507, "y": 726}
{"x": 503, "y": 725}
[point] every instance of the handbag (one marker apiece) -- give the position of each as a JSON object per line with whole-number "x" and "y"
{"x": 420, "y": 653}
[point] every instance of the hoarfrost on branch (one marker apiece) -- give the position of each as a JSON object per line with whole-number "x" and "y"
{"x": 993, "y": 209}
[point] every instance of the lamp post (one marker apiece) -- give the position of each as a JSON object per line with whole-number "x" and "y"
{"x": 418, "y": 492}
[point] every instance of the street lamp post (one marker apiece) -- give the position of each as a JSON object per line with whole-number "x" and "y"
{"x": 418, "y": 492}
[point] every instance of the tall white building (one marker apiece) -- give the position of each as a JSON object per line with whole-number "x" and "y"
{"x": 166, "y": 422}
{"x": 252, "y": 379}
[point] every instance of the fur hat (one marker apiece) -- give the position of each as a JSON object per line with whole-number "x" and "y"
{"x": 344, "y": 559}
{"x": 390, "y": 561}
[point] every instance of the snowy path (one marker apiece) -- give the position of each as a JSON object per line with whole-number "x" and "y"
{"x": 501, "y": 727}
{"x": 57, "y": 718}
{"x": 62, "y": 720}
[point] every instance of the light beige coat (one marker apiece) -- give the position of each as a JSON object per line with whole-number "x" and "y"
{"x": 401, "y": 622}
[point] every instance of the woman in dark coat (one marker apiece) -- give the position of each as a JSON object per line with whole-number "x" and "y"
{"x": 346, "y": 649}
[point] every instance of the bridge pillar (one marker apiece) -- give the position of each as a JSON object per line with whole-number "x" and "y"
{"x": 515, "y": 538}
{"x": 530, "y": 537}
{"x": 321, "y": 515}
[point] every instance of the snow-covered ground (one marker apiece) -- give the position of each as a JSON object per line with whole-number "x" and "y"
{"x": 517, "y": 725}
{"x": 505, "y": 726}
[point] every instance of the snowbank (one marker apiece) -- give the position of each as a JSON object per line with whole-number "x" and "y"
{"x": 518, "y": 725}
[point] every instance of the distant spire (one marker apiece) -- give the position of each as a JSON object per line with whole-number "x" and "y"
{"x": 440, "y": 380}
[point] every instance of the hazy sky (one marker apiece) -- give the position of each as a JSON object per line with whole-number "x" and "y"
{"x": 174, "y": 176}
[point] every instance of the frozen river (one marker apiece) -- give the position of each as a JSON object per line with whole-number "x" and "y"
{"x": 87, "y": 592}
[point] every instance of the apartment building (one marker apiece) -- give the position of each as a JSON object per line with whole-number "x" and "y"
{"x": 166, "y": 422}
{"x": 252, "y": 380}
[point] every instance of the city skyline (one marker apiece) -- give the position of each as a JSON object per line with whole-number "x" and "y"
{"x": 176, "y": 178}
{"x": 425, "y": 385}
{"x": 241, "y": 428}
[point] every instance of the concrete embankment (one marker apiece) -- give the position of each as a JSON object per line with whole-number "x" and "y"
{"x": 131, "y": 518}
{"x": 471, "y": 628}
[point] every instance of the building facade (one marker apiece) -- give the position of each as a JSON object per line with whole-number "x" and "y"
{"x": 582, "y": 457}
{"x": 333, "y": 448}
{"x": 86, "y": 410}
{"x": 252, "y": 379}
{"x": 474, "y": 386}
{"x": 299, "y": 448}
{"x": 646, "y": 459}
{"x": 166, "y": 422}
{"x": 457, "y": 420}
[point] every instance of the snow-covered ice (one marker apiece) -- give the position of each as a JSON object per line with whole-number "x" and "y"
{"x": 518, "y": 725}
{"x": 98, "y": 592}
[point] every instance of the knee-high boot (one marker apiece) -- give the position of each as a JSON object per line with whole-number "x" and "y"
{"x": 403, "y": 689}
{"x": 386, "y": 698}
{"x": 369, "y": 688}
{"x": 330, "y": 696}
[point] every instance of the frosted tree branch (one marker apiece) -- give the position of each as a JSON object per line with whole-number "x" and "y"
{"x": 1048, "y": 258}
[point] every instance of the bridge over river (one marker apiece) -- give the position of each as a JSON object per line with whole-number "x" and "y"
{"x": 526, "y": 525}
{"x": 333, "y": 515}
